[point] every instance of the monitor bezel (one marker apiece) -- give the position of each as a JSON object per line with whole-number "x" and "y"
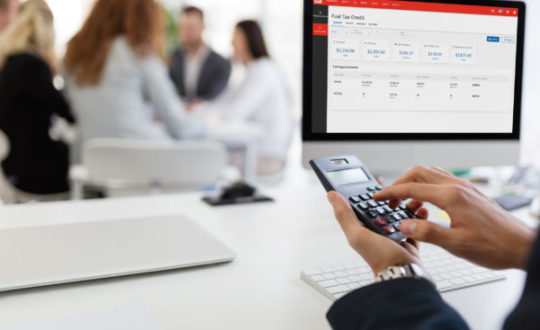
{"x": 309, "y": 135}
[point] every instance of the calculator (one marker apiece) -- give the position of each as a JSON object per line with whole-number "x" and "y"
{"x": 348, "y": 176}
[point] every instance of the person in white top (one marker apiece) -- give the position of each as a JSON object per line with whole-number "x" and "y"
{"x": 261, "y": 99}
{"x": 116, "y": 81}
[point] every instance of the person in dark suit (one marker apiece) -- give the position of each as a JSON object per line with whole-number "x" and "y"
{"x": 29, "y": 103}
{"x": 481, "y": 232}
{"x": 199, "y": 73}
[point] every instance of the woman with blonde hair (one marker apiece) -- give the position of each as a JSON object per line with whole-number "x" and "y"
{"x": 117, "y": 83}
{"x": 29, "y": 103}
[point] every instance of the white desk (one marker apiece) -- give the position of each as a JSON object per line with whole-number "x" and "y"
{"x": 260, "y": 290}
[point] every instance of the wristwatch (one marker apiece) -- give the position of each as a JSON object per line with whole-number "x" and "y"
{"x": 409, "y": 271}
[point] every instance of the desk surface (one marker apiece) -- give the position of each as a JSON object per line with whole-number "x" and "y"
{"x": 260, "y": 290}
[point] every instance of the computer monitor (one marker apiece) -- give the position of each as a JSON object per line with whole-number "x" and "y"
{"x": 401, "y": 83}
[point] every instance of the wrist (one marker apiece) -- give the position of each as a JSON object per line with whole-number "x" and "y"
{"x": 409, "y": 271}
{"x": 524, "y": 245}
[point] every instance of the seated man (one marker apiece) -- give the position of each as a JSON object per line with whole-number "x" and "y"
{"x": 199, "y": 73}
{"x": 8, "y": 10}
{"x": 481, "y": 232}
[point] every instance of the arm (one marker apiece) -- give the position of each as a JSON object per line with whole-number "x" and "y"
{"x": 395, "y": 304}
{"x": 44, "y": 90}
{"x": 160, "y": 90}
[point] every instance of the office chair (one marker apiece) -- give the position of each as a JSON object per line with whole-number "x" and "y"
{"x": 132, "y": 167}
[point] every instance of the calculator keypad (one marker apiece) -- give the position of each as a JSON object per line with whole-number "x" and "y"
{"x": 380, "y": 213}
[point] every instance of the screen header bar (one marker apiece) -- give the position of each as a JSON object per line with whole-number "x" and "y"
{"x": 423, "y": 6}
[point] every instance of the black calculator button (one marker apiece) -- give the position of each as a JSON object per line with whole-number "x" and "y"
{"x": 381, "y": 203}
{"x": 363, "y": 206}
{"x": 378, "y": 188}
{"x": 355, "y": 199}
{"x": 381, "y": 221}
{"x": 373, "y": 214}
{"x": 403, "y": 207}
{"x": 397, "y": 226}
{"x": 372, "y": 204}
{"x": 388, "y": 209}
{"x": 365, "y": 197}
{"x": 370, "y": 194}
{"x": 390, "y": 218}
{"x": 381, "y": 211}
{"x": 410, "y": 214}
{"x": 403, "y": 215}
{"x": 396, "y": 216}
{"x": 389, "y": 229}
{"x": 372, "y": 189}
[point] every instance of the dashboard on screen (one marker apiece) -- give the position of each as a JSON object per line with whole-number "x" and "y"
{"x": 411, "y": 68}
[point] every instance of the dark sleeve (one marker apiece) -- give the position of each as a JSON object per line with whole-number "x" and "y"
{"x": 220, "y": 77}
{"x": 176, "y": 71}
{"x": 526, "y": 315}
{"x": 42, "y": 88}
{"x": 398, "y": 304}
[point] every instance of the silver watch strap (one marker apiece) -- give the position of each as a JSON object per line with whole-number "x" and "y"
{"x": 409, "y": 271}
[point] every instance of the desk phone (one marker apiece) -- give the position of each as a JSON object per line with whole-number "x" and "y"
{"x": 347, "y": 176}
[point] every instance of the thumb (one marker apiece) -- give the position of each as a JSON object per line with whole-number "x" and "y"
{"x": 344, "y": 213}
{"x": 425, "y": 231}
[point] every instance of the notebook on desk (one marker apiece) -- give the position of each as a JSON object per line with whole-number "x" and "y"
{"x": 56, "y": 254}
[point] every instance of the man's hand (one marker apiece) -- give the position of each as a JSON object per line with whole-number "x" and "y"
{"x": 481, "y": 231}
{"x": 378, "y": 251}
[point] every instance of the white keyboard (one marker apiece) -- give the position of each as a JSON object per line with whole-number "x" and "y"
{"x": 449, "y": 273}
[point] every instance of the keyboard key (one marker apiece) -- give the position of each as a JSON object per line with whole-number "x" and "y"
{"x": 381, "y": 221}
{"x": 373, "y": 214}
{"x": 329, "y": 276}
{"x": 327, "y": 284}
{"x": 363, "y": 206}
{"x": 317, "y": 278}
{"x": 355, "y": 199}
{"x": 389, "y": 229}
{"x": 365, "y": 197}
{"x": 338, "y": 289}
{"x": 343, "y": 280}
{"x": 444, "y": 285}
{"x": 403, "y": 215}
{"x": 341, "y": 273}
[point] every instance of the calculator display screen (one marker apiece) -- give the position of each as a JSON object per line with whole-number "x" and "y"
{"x": 355, "y": 175}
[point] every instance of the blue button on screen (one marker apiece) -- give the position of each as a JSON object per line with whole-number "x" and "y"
{"x": 493, "y": 39}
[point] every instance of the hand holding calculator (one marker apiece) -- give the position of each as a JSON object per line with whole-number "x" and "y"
{"x": 347, "y": 176}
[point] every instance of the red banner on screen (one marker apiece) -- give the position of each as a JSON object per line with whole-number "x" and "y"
{"x": 422, "y": 6}
{"x": 320, "y": 29}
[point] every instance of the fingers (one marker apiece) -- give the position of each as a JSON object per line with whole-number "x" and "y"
{"x": 355, "y": 232}
{"x": 425, "y": 231}
{"x": 414, "y": 206}
{"x": 434, "y": 194}
{"x": 424, "y": 175}
{"x": 423, "y": 213}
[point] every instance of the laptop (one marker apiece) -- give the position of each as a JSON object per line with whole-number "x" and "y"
{"x": 57, "y": 254}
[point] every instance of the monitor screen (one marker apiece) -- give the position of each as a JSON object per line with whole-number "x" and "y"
{"x": 413, "y": 69}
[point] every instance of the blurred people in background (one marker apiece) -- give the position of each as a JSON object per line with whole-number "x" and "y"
{"x": 261, "y": 99}
{"x": 199, "y": 73}
{"x": 118, "y": 84}
{"x": 8, "y": 11}
{"x": 29, "y": 102}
